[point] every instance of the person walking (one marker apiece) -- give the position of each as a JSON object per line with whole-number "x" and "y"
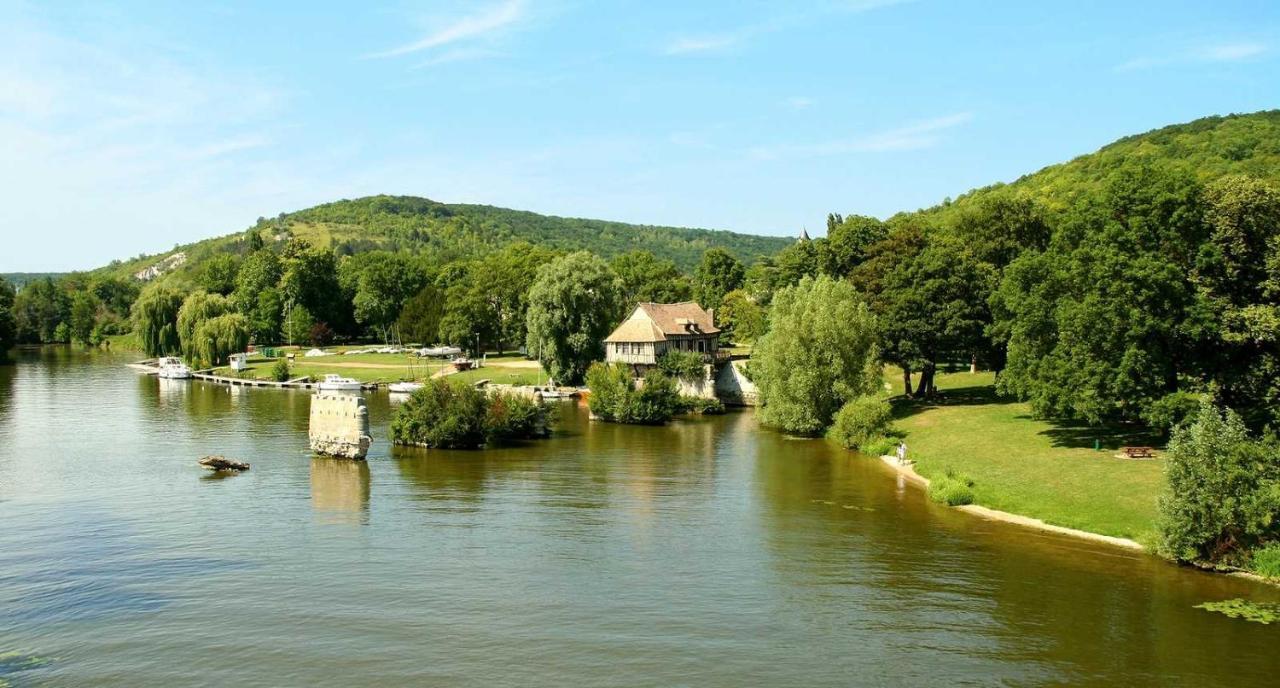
{"x": 902, "y": 453}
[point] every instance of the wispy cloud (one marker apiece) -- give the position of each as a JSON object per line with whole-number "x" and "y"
{"x": 724, "y": 40}
{"x": 799, "y": 102}
{"x": 482, "y": 24}
{"x": 913, "y": 136}
{"x": 1219, "y": 52}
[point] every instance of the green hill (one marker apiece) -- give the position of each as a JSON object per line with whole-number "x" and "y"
{"x": 452, "y": 231}
{"x": 1209, "y": 148}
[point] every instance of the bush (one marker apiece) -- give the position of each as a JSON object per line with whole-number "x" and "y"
{"x": 860, "y": 421}
{"x": 880, "y": 446}
{"x": 445, "y": 416}
{"x": 1171, "y": 410}
{"x": 1223, "y": 490}
{"x": 615, "y": 397}
{"x": 699, "y": 405}
{"x": 280, "y": 370}
{"x": 682, "y": 365}
{"x": 951, "y": 489}
{"x": 1266, "y": 560}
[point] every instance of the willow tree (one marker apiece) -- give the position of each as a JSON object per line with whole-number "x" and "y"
{"x": 573, "y": 305}
{"x": 155, "y": 317}
{"x": 198, "y": 307}
{"x": 219, "y": 337}
{"x": 819, "y": 353}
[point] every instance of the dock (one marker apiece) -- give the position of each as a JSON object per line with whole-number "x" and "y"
{"x": 148, "y": 367}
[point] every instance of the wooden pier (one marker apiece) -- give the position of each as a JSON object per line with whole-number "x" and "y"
{"x": 207, "y": 375}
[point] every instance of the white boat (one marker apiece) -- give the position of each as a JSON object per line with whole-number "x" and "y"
{"x": 404, "y": 387}
{"x": 551, "y": 393}
{"x": 172, "y": 368}
{"x": 337, "y": 383}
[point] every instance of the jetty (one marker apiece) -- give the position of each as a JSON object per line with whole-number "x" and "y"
{"x": 149, "y": 367}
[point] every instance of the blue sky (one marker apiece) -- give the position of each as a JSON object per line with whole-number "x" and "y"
{"x": 129, "y": 127}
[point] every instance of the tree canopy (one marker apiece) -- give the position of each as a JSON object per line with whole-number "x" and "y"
{"x": 574, "y": 303}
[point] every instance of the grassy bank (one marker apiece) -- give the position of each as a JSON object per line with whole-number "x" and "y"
{"x": 1043, "y": 469}
{"x": 392, "y": 367}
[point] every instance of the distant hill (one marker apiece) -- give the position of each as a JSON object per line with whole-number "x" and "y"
{"x": 19, "y": 279}
{"x": 458, "y": 230}
{"x": 1209, "y": 148}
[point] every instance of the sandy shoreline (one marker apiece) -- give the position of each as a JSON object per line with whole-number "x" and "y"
{"x": 909, "y": 472}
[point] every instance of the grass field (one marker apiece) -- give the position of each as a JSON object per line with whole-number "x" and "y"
{"x": 514, "y": 370}
{"x": 1037, "y": 468}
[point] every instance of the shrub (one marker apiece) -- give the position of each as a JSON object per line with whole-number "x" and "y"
{"x": 951, "y": 489}
{"x": 860, "y": 421}
{"x": 280, "y": 370}
{"x": 1171, "y": 410}
{"x": 682, "y": 365}
{"x": 615, "y": 397}
{"x": 880, "y": 446}
{"x": 1223, "y": 489}
{"x": 1266, "y": 560}
{"x": 446, "y": 416}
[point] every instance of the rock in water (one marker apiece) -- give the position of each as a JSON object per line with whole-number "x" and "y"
{"x": 339, "y": 426}
{"x": 222, "y": 463}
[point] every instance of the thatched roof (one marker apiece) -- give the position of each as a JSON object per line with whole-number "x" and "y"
{"x": 654, "y": 322}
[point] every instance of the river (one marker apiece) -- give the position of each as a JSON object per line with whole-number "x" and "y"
{"x": 706, "y": 553}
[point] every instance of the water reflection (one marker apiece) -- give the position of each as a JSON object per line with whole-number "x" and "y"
{"x": 340, "y": 490}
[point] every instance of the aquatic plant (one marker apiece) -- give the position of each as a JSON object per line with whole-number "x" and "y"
{"x": 1244, "y": 609}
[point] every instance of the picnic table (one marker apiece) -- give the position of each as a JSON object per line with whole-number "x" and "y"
{"x": 1139, "y": 452}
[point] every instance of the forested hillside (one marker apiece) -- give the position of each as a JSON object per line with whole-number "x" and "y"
{"x": 446, "y": 232}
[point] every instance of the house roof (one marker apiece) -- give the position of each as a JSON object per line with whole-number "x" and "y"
{"x": 654, "y": 322}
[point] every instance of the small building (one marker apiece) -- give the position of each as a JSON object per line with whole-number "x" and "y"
{"x": 653, "y": 329}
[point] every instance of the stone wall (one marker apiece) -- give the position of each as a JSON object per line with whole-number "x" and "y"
{"x": 733, "y": 387}
{"x": 339, "y": 426}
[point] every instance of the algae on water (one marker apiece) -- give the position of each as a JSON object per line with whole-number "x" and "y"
{"x": 1244, "y": 609}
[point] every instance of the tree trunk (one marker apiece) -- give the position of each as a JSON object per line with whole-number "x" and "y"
{"x": 926, "y": 388}
{"x": 906, "y": 381}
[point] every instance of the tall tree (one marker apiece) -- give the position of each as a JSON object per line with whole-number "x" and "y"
{"x": 41, "y": 311}
{"x": 819, "y": 353}
{"x": 198, "y": 307}
{"x": 848, "y": 239}
{"x": 573, "y": 305}
{"x": 155, "y": 317}
{"x": 649, "y": 279}
{"x": 7, "y": 330}
{"x": 83, "y": 317}
{"x": 419, "y": 320}
{"x": 718, "y": 274}
{"x": 218, "y": 276}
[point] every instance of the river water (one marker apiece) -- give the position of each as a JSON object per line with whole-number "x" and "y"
{"x": 705, "y": 553}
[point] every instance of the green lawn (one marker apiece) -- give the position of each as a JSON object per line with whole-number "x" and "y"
{"x": 511, "y": 369}
{"x": 1025, "y": 466}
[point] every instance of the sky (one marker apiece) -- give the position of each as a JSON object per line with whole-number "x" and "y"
{"x": 127, "y": 128}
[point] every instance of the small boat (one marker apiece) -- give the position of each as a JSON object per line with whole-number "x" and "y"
{"x": 404, "y": 387}
{"x": 337, "y": 383}
{"x": 172, "y": 368}
{"x": 550, "y": 391}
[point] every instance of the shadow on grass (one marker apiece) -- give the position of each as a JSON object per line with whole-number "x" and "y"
{"x": 1061, "y": 433}
{"x": 976, "y": 395}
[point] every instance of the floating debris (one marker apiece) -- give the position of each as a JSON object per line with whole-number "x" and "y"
{"x": 1244, "y": 609}
{"x": 222, "y": 463}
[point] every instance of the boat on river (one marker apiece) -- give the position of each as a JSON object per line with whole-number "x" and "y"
{"x": 404, "y": 387}
{"x": 172, "y": 368}
{"x": 337, "y": 383}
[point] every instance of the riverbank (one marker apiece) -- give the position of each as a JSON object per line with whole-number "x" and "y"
{"x": 1041, "y": 470}
{"x": 908, "y": 472}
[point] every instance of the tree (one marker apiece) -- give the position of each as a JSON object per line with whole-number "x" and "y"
{"x": 741, "y": 317}
{"x": 383, "y": 283}
{"x": 649, "y": 279}
{"x": 819, "y": 354}
{"x": 446, "y": 416}
{"x": 38, "y": 310}
{"x": 84, "y": 317}
{"x": 489, "y": 296}
{"x": 848, "y": 239}
{"x": 155, "y": 317}
{"x": 573, "y": 305}
{"x": 218, "y": 276}
{"x": 1223, "y": 489}
{"x": 419, "y": 320}
{"x": 219, "y": 337}
{"x": 797, "y": 261}
{"x": 7, "y": 330}
{"x": 297, "y": 327}
{"x": 310, "y": 278}
{"x": 198, "y": 307}
{"x": 718, "y": 274}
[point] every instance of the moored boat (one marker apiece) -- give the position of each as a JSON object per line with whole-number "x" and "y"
{"x": 404, "y": 387}
{"x": 337, "y": 383}
{"x": 172, "y": 368}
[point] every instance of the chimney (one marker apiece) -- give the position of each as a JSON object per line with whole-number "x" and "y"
{"x": 712, "y": 313}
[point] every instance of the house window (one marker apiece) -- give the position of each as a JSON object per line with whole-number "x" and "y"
{"x": 702, "y": 346}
